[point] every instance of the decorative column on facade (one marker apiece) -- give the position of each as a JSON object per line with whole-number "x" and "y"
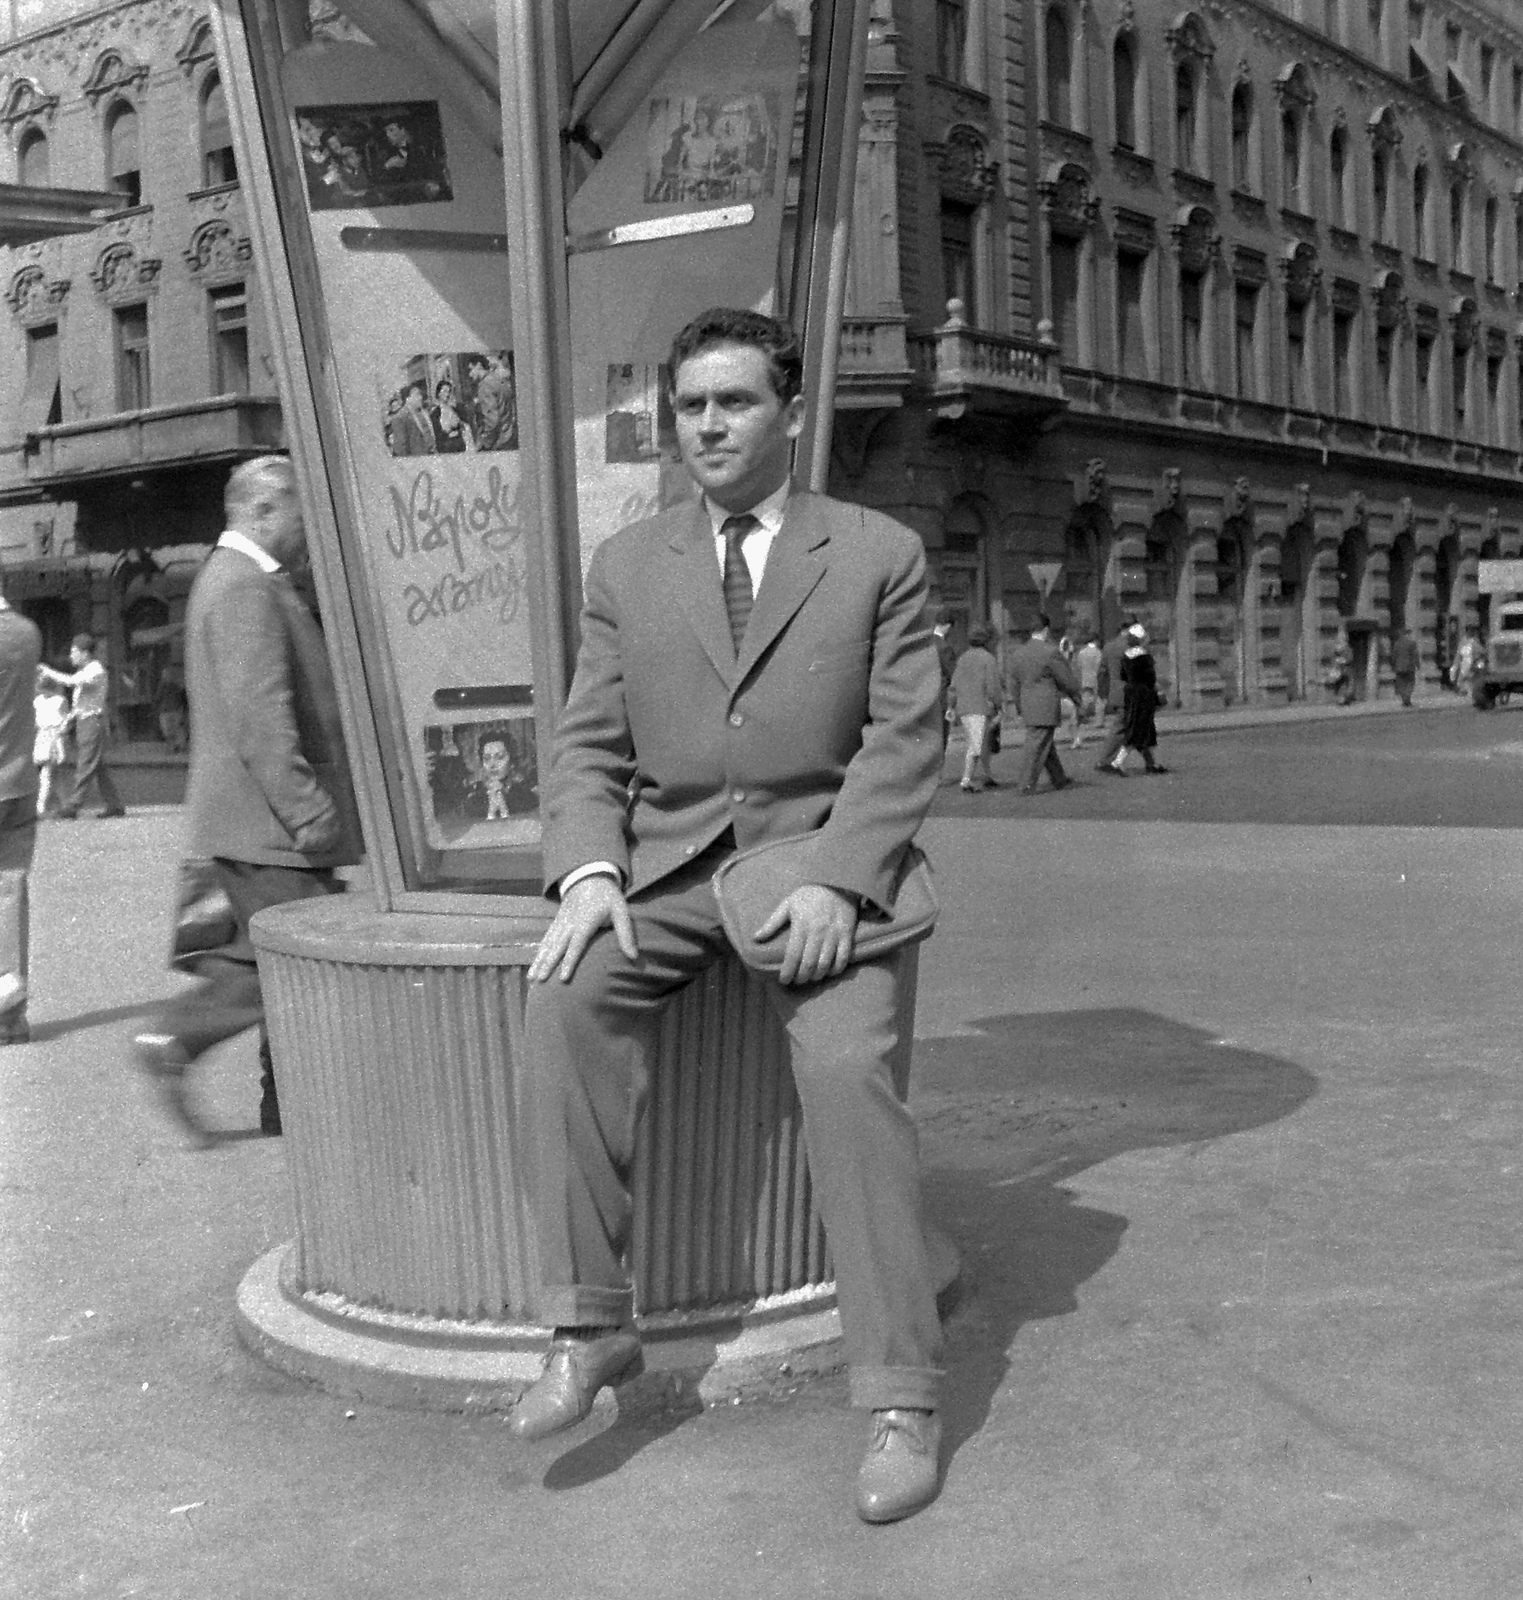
{"x": 1203, "y": 688}
{"x": 1328, "y": 518}
{"x": 1197, "y": 253}
{"x": 1379, "y": 532}
{"x": 1069, "y": 211}
{"x": 1267, "y": 524}
{"x": 1422, "y": 605}
{"x": 874, "y": 304}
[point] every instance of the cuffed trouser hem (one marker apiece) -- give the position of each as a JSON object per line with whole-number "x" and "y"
{"x": 578, "y": 1306}
{"x": 895, "y": 1388}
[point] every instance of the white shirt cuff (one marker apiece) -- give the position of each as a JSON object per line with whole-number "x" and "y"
{"x": 592, "y": 869}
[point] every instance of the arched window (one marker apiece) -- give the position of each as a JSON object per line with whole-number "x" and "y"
{"x": 1457, "y": 226}
{"x": 1184, "y": 115}
{"x": 1059, "y": 63}
{"x": 1421, "y": 243}
{"x": 32, "y": 159}
{"x": 1337, "y": 176}
{"x": 218, "y": 164}
{"x": 1242, "y": 139}
{"x": 1491, "y": 239}
{"x": 123, "y": 172}
{"x": 1290, "y": 160}
{"x": 1380, "y": 191}
{"x": 1124, "y": 87}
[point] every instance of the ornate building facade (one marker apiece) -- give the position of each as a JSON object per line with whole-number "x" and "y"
{"x": 133, "y": 363}
{"x": 1274, "y": 252}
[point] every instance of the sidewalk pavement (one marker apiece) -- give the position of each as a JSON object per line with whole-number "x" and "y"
{"x": 1225, "y": 1119}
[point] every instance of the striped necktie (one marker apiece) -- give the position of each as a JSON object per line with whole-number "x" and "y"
{"x": 737, "y": 575}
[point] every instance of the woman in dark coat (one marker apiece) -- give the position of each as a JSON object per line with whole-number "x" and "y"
{"x": 1139, "y": 679}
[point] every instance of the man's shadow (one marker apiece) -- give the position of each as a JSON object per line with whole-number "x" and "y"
{"x": 1010, "y": 1112}
{"x": 1007, "y": 1114}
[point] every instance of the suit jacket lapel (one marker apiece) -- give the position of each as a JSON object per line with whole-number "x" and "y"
{"x": 795, "y": 565}
{"x": 700, "y": 592}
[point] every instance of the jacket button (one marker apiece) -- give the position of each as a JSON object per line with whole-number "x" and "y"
{"x": 736, "y": 719}
{"x": 737, "y": 794}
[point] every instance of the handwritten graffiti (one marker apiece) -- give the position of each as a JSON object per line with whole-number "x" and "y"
{"x": 480, "y": 534}
{"x": 425, "y": 522}
{"x": 500, "y": 583}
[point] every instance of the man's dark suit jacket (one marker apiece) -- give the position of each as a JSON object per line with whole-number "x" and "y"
{"x": 828, "y": 722}
{"x": 267, "y": 759}
{"x": 1040, "y": 676}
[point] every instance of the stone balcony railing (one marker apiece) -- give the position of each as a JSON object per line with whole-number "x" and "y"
{"x": 874, "y": 369}
{"x": 965, "y": 369}
{"x": 1198, "y": 410}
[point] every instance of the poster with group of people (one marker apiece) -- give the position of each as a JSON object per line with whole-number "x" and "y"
{"x": 452, "y": 403}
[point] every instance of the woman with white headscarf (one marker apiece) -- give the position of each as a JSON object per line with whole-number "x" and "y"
{"x": 1139, "y": 727}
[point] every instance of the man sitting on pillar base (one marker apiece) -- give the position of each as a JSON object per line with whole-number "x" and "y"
{"x": 754, "y": 666}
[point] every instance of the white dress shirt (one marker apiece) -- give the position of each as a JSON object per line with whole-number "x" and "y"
{"x": 232, "y": 540}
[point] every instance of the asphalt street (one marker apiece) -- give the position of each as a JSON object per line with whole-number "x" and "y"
{"x": 1225, "y": 1116}
{"x": 1450, "y": 766}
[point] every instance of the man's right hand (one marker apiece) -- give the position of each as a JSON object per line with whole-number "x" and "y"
{"x": 587, "y": 906}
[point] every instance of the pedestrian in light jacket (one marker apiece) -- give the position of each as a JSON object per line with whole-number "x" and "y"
{"x": 976, "y": 697}
{"x": 1040, "y": 681}
{"x": 268, "y": 799}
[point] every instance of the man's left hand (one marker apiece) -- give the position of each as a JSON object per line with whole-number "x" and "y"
{"x": 821, "y": 924}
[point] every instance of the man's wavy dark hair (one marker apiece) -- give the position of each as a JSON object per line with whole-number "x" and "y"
{"x": 729, "y": 325}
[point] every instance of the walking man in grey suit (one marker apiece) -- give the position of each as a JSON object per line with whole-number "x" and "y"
{"x": 268, "y": 800}
{"x": 20, "y": 650}
{"x": 754, "y": 666}
{"x": 1040, "y": 680}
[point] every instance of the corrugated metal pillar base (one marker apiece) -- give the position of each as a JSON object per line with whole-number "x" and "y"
{"x": 411, "y": 1280}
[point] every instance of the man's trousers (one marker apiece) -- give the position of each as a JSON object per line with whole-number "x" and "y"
{"x": 18, "y": 841}
{"x": 90, "y": 763}
{"x": 226, "y": 997}
{"x": 591, "y": 1052}
{"x": 1040, "y": 750}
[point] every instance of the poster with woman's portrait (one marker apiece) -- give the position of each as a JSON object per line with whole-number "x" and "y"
{"x": 482, "y": 772}
{"x": 711, "y": 147}
{"x": 450, "y": 403}
{"x": 364, "y": 157}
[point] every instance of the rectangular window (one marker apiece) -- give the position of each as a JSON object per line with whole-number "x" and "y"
{"x": 1377, "y": 24}
{"x": 1131, "y": 333}
{"x": 1192, "y": 373}
{"x": 1295, "y": 358}
{"x": 1461, "y": 382}
{"x": 957, "y": 257}
{"x": 133, "y": 389}
{"x": 1517, "y": 102}
{"x": 951, "y": 39}
{"x": 1424, "y": 354}
{"x": 1343, "y": 363}
{"x": 1064, "y": 273}
{"x": 1246, "y": 319}
{"x": 41, "y": 399}
{"x": 1488, "y": 77}
{"x": 1385, "y": 344}
{"x": 1494, "y": 399}
{"x": 230, "y": 339}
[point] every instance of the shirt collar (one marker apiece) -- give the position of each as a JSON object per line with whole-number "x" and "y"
{"x": 768, "y": 512}
{"x": 233, "y": 540}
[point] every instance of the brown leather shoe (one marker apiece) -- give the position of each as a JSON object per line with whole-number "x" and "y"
{"x": 167, "y": 1062}
{"x": 901, "y": 1470}
{"x": 574, "y": 1371}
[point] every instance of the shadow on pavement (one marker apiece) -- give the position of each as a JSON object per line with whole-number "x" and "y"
{"x": 1010, "y": 1112}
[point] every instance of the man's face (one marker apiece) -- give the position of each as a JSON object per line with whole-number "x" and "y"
{"x": 414, "y": 399}
{"x": 396, "y": 134}
{"x": 77, "y": 657}
{"x": 494, "y": 758}
{"x": 733, "y": 432}
{"x": 281, "y": 530}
